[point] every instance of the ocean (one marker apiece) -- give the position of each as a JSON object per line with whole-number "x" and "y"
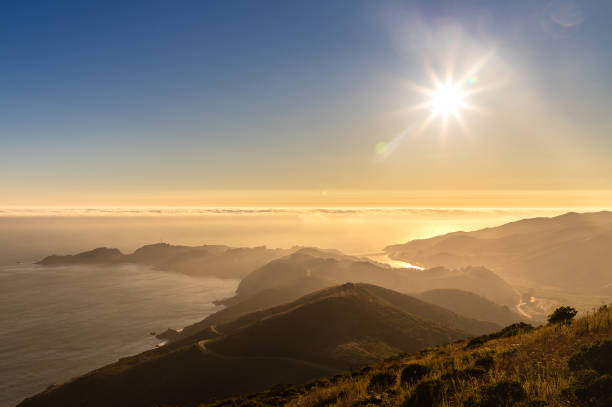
{"x": 60, "y": 322}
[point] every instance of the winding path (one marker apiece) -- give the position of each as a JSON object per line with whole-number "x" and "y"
{"x": 203, "y": 348}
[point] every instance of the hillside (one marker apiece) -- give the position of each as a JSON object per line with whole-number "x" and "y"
{"x": 343, "y": 326}
{"x": 472, "y": 306}
{"x": 207, "y": 260}
{"x": 337, "y": 269}
{"x": 552, "y": 366}
{"x": 569, "y": 252}
{"x": 314, "y": 336}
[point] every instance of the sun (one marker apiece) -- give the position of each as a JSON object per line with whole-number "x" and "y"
{"x": 447, "y": 99}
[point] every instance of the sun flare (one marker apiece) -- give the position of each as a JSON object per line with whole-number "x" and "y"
{"x": 447, "y": 99}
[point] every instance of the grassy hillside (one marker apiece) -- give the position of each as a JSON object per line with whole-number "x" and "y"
{"x": 343, "y": 326}
{"x": 556, "y": 365}
{"x": 262, "y": 300}
{"x": 277, "y": 300}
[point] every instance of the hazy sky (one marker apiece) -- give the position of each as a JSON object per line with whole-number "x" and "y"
{"x": 162, "y": 102}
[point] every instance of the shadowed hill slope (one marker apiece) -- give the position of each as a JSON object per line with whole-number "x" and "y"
{"x": 570, "y": 251}
{"x": 341, "y": 326}
{"x": 472, "y": 306}
{"x": 335, "y": 328}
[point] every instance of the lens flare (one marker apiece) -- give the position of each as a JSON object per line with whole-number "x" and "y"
{"x": 381, "y": 147}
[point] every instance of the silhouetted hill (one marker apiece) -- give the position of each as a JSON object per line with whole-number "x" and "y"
{"x": 337, "y": 269}
{"x": 101, "y": 255}
{"x": 229, "y": 318}
{"x": 472, "y": 305}
{"x": 314, "y": 336}
{"x": 570, "y": 251}
{"x": 262, "y": 300}
{"x": 207, "y": 260}
{"x": 360, "y": 326}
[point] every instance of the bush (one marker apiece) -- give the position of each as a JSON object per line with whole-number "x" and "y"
{"x": 476, "y": 371}
{"x": 510, "y": 330}
{"x": 413, "y": 373}
{"x": 381, "y": 382}
{"x": 427, "y": 393}
{"x": 477, "y": 341}
{"x": 589, "y": 388}
{"x": 513, "y": 330}
{"x": 331, "y": 399}
{"x": 485, "y": 362}
{"x": 467, "y": 373}
{"x": 505, "y": 393}
{"x": 562, "y": 315}
{"x": 597, "y": 392}
{"x": 596, "y": 356}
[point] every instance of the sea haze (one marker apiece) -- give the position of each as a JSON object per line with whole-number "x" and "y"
{"x": 60, "y": 322}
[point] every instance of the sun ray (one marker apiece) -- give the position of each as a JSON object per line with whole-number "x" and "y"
{"x": 476, "y": 67}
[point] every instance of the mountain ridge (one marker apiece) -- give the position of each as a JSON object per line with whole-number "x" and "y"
{"x": 570, "y": 251}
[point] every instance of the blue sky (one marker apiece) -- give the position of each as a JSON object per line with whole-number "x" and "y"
{"x": 119, "y": 98}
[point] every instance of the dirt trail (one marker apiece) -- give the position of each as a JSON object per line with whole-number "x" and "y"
{"x": 203, "y": 348}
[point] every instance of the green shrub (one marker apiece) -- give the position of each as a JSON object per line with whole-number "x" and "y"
{"x": 477, "y": 341}
{"x": 427, "y": 393}
{"x": 467, "y": 373}
{"x": 513, "y": 330}
{"x": 510, "y": 330}
{"x": 562, "y": 315}
{"x": 596, "y": 356}
{"x": 485, "y": 362}
{"x": 333, "y": 398}
{"x": 505, "y": 393}
{"x": 381, "y": 382}
{"x": 589, "y": 388}
{"x": 597, "y": 392}
{"x": 413, "y": 372}
{"x": 537, "y": 403}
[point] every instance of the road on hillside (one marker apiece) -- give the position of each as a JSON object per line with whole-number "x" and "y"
{"x": 203, "y": 348}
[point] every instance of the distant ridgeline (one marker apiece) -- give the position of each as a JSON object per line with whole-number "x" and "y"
{"x": 570, "y": 252}
{"x": 290, "y": 273}
{"x": 209, "y": 260}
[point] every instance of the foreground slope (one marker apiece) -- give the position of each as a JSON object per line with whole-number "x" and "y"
{"x": 570, "y": 251}
{"x": 557, "y": 365}
{"x": 315, "y": 336}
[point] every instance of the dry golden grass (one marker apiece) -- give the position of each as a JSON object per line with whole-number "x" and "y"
{"x": 537, "y": 360}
